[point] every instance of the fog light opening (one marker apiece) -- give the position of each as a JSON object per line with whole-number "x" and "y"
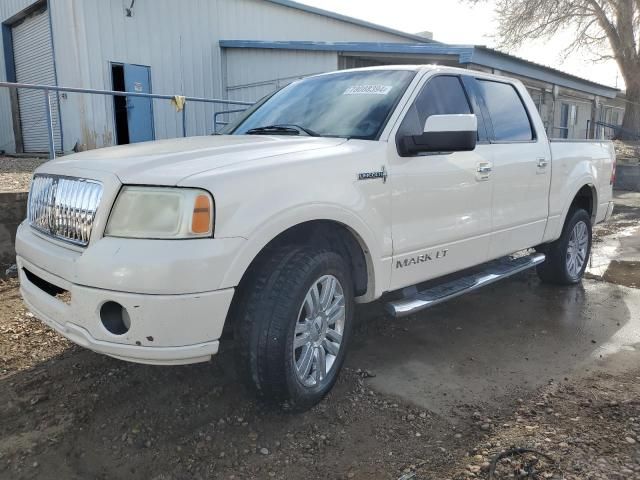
{"x": 115, "y": 318}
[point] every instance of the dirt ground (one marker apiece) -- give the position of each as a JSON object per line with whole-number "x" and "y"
{"x": 15, "y": 173}
{"x": 436, "y": 396}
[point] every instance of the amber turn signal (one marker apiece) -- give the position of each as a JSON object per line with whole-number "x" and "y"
{"x": 202, "y": 215}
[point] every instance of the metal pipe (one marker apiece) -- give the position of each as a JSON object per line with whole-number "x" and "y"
{"x": 47, "y": 106}
{"x": 217, "y": 122}
{"x": 588, "y": 125}
{"x": 118, "y": 94}
{"x": 184, "y": 120}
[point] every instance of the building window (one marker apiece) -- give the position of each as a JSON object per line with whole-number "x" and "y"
{"x": 568, "y": 118}
{"x": 536, "y": 96}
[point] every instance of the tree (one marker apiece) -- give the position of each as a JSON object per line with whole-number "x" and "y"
{"x": 609, "y": 29}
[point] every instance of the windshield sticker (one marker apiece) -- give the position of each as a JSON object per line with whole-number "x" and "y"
{"x": 368, "y": 90}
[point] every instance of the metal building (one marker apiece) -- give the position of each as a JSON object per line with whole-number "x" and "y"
{"x": 228, "y": 49}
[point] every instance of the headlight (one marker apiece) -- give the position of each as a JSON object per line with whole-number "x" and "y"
{"x": 161, "y": 213}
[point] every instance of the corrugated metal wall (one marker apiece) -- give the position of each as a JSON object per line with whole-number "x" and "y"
{"x": 33, "y": 54}
{"x": 254, "y": 73}
{"x": 179, "y": 41}
{"x": 8, "y": 8}
{"x": 577, "y": 126}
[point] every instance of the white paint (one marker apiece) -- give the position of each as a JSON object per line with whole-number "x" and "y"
{"x": 435, "y": 206}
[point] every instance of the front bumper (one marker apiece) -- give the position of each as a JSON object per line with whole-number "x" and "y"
{"x": 164, "y": 329}
{"x": 171, "y": 292}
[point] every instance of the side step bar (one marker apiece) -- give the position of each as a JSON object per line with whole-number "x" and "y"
{"x": 490, "y": 272}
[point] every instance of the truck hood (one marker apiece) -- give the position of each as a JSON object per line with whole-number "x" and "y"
{"x": 166, "y": 162}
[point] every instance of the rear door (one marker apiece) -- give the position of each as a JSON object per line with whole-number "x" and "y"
{"x": 441, "y": 203}
{"x": 521, "y": 160}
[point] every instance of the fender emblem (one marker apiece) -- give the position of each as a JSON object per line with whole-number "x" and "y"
{"x": 373, "y": 175}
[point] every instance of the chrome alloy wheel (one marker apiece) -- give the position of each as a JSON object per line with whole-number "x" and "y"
{"x": 319, "y": 330}
{"x": 577, "y": 249}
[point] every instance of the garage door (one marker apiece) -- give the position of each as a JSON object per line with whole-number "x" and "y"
{"x": 33, "y": 57}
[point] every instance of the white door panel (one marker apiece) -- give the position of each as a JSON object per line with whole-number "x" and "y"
{"x": 521, "y": 178}
{"x": 521, "y": 167}
{"x": 441, "y": 212}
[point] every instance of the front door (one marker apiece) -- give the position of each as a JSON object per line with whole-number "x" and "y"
{"x": 137, "y": 78}
{"x": 441, "y": 203}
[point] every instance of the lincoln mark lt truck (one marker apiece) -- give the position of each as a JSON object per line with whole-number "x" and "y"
{"x": 419, "y": 183}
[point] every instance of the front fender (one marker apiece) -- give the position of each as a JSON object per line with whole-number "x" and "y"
{"x": 377, "y": 267}
{"x": 260, "y": 200}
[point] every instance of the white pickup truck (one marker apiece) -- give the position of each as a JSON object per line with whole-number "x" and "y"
{"x": 422, "y": 181}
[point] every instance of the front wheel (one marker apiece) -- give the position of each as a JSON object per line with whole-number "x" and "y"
{"x": 293, "y": 323}
{"x": 567, "y": 257}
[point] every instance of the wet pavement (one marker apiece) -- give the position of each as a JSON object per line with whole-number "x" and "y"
{"x": 517, "y": 335}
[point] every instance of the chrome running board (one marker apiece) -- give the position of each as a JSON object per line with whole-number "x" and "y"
{"x": 490, "y": 272}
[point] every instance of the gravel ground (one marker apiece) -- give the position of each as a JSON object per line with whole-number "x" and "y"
{"x": 15, "y": 173}
{"x": 66, "y": 412}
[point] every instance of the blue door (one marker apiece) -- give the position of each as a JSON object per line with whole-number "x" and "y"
{"x": 137, "y": 78}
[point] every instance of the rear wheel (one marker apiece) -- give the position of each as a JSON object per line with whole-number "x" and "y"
{"x": 293, "y": 321}
{"x": 567, "y": 257}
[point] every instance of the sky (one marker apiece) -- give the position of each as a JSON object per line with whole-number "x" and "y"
{"x": 454, "y": 21}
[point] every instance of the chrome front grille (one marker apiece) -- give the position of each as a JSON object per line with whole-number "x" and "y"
{"x": 64, "y": 207}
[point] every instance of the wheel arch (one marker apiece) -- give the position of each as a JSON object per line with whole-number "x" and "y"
{"x": 585, "y": 197}
{"x": 340, "y": 234}
{"x": 584, "y": 194}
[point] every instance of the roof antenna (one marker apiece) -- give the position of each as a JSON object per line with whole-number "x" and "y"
{"x": 129, "y": 11}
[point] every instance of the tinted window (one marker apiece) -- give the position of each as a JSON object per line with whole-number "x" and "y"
{"x": 344, "y": 104}
{"x": 443, "y": 95}
{"x": 508, "y": 115}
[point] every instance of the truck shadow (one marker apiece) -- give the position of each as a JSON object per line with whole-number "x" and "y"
{"x": 500, "y": 342}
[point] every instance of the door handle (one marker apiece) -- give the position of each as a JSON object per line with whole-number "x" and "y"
{"x": 484, "y": 170}
{"x": 542, "y": 163}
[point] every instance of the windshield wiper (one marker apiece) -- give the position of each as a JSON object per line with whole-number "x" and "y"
{"x": 284, "y": 129}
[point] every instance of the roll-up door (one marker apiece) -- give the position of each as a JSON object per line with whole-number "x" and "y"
{"x": 33, "y": 57}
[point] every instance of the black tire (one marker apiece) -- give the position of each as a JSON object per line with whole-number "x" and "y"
{"x": 555, "y": 269}
{"x": 265, "y": 316}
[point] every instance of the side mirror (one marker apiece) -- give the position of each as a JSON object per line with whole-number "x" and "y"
{"x": 443, "y": 133}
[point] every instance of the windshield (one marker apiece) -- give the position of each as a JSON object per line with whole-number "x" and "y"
{"x": 352, "y": 104}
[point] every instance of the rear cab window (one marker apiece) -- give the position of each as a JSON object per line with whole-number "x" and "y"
{"x": 508, "y": 115}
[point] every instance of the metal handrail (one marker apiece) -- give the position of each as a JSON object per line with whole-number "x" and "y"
{"x": 47, "y": 89}
{"x": 617, "y": 129}
{"x": 217, "y": 122}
